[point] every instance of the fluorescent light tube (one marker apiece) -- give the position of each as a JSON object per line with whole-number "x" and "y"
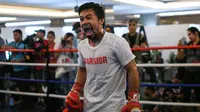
{"x": 40, "y": 12}
{"x": 2, "y": 19}
{"x": 161, "y": 5}
{"x": 28, "y": 23}
{"x": 133, "y": 16}
{"x": 165, "y": 14}
{"x": 71, "y": 20}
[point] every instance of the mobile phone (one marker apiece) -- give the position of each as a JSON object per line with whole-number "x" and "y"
{"x": 183, "y": 41}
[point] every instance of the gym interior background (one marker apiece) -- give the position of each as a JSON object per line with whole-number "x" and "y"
{"x": 165, "y": 22}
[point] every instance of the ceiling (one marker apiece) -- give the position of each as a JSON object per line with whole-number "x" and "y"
{"x": 120, "y": 9}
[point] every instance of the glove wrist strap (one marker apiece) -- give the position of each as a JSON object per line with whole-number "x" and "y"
{"x": 76, "y": 92}
{"x": 77, "y": 87}
{"x": 133, "y": 96}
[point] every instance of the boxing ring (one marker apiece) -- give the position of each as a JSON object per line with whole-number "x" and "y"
{"x": 76, "y": 65}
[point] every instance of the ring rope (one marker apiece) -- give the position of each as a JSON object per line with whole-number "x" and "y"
{"x": 134, "y": 49}
{"x": 76, "y": 65}
{"x": 63, "y": 97}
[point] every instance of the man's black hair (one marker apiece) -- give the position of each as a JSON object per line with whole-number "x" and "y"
{"x": 97, "y": 8}
{"x": 69, "y": 35}
{"x": 18, "y": 31}
{"x": 132, "y": 20}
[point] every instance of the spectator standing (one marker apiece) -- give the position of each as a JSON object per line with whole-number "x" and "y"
{"x": 109, "y": 29}
{"x": 191, "y": 74}
{"x": 137, "y": 40}
{"x": 65, "y": 73}
{"x": 2, "y": 59}
{"x": 40, "y": 57}
{"x": 19, "y": 57}
{"x": 52, "y": 103}
{"x": 78, "y": 30}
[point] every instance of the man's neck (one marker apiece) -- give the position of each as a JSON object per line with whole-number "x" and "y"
{"x": 94, "y": 42}
{"x": 18, "y": 41}
{"x": 132, "y": 33}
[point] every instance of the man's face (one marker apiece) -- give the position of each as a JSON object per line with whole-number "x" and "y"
{"x": 40, "y": 35}
{"x": 90, "y": 24}
{"x": 132, "y": 26}
{"x": 17, "y": 36}
{"x": 79, "y": 33}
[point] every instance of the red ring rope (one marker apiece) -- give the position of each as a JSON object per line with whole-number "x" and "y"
{"x": 133, "y": 49}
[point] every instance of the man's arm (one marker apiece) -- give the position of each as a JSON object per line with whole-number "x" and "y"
{"x": 81, "y": 76}
{"x": 143, "y": 41}
{"x": 133, "y": 76}
{"x": 7, "y": 47}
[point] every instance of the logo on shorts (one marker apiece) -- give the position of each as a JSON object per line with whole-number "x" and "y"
{"x": 97, "y": 60}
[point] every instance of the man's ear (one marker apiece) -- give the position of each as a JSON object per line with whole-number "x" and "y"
{"x": 101, "y": 21}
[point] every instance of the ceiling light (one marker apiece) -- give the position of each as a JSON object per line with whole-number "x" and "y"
{"x": 71, "y": 20}
{"x": 40, "y": 12}
{"x": 161, "y": 5}
{"x": 145, "y": 3}
{"x": 110, "y": 17}
{"x": 133, "y": 16}
{"x": 109, "y": 11}
{"x": 179, "y": 13}
{"x": 28, "y": 23}
{"x": 3, "y": 19}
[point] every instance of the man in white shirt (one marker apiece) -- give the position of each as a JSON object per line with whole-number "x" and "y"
{"x": 104, "y": 60}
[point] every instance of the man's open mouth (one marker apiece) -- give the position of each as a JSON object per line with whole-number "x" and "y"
{"x": 88, "y": 30}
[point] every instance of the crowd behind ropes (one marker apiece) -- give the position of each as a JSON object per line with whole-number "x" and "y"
{"x": 155, "y": 75}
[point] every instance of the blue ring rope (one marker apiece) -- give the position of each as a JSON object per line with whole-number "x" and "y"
{"x": 72, "y": 82}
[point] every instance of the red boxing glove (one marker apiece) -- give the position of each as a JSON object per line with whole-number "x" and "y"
{"x": 73, "y": 101}
{"x": 65, "y": 110}
{"x": 133, "y": 104}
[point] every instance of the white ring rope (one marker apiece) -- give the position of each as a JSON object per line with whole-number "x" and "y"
{"x": 76, "y": 65}
{"x": 63, "y": 97}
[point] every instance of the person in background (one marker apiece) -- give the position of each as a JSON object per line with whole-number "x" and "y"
{"x": 191, "y": 74}
{"x": 137, "y": 40}
{"x": 51, "y": 44}
{"x": 65, "y": 73}
{"x": 19, "y": 71}
{"x": 150, "y": 94}
{"x": 52, "y": 102}
{"x": 51, "y": 38}
{"x": 109, "y": 29}
{"x": 40, "y": 57}
{"x": 78, "y": 30}
{"x": 160, "y": 60}
{"x": 2, "y": 59}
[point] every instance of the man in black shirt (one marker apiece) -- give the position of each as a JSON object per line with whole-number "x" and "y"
{"x": 135, "y": 39}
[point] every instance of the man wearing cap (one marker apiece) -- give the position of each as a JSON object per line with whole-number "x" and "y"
{"x": 40, "y": 58}
{"x": 78, "y": 30}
